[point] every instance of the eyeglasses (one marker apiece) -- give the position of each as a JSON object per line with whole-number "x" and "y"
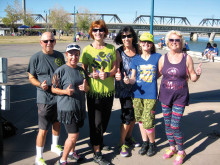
{"x": 174, "y": 40}
{"x": 46, "y": 41}
{"x": 100, "y": 30}
{"x": 128, "y": 36}
{"x": 148, "y": 42}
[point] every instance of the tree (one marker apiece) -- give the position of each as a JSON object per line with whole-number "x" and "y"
{"x": 67, "y": 27}
{"x": 28, "y": 20}
{"x": 13, "y": 14}
{"x": 84, "y": 19}
{"x": 59, "y": 18}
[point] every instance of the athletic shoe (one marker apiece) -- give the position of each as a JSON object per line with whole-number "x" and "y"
{"x": 152, "y": 149}
{"x": 179, "y": 159}
{"x": 124, "y": 151}
{"x": 40, "y": 161}
{"x": 58, "y": 163}
{"x": 132, "y": 142}
{"x": 211, "y": 61}
{"x": 169, "y": 153}
{"x": 144, "y": 148}
{"x": 75, "y": 156}
{"x": 97, "y": 158}
{"x": 57, "y": 149}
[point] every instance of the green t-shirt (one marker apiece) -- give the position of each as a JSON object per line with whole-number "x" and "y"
{"x": 98, "y": 58}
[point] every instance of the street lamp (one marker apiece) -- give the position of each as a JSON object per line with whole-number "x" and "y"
{"x": 152, "y": 17}
{"x": 74, "y": 27}
{"x": 45, "y": 11}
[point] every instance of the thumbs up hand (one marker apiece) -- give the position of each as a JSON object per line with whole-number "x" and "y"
{"x": 95, "y": 74}
{"x": 44, "y": 85}
{"x": 126, "y": 79}
{"x": 118, "y": 75}
{"x": 102, "y": 74}
{"x": 199, "y": 69}
{"x": 69, "y": 90}
{"x": 82, "y": 87}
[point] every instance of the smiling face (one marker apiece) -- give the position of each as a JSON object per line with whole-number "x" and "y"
{"x": 47, "y": 42}
{"x": 72, "y": 58}
{"x": 98, "y": 33}
{"x": 146, "y": 46}
{"x": 127, "y": 39}
{"x": 175, "y": 42}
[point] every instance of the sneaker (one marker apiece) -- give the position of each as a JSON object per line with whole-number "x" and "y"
{"x": 124, "y": 151}
{"x": 179, "y": 158}
{"x": 169, "y": 153}
{"x": 152, "y": 149}
{"x": 58, "y": 163}
{"x": 97, "y": 158}
{"x": 144, "y": 148}
{"x": 210, "y": 60}
{"x": 132, "y": 142}
{"x": 75, "y": 156}
{"x": 57, "y": 149}
{"x": 40, "y": 161}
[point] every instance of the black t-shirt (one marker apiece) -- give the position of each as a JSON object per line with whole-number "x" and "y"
{"x": 42, "y": 66}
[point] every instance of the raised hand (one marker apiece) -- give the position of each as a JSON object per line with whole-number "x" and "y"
{"x": 82, "y": 87}
{"x": 44, "y": 85}
{"x": 102, "y": 74}
{"x": 118, "y": 75}
{"x": 69, "y": 90}
{"x": 95, "y": 74}
{"x": 199, "y": 69}
{"x": 126, "y": 79}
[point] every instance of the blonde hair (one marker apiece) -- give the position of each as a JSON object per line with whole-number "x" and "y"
{"x": 178, "y": 33}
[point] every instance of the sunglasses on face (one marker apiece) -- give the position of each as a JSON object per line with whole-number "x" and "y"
{"x": 174, "y": 40}
{"x": 46, "y": 41}
{"x": 128, "y": 36}
{"x": 100, "y": 30}
{"x": 148, "y": 42}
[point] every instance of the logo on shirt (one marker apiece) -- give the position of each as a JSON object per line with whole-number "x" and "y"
{"x": 147, "y": 72}
{"x": 58, "y": 61}
{"x": 101, "y": 60}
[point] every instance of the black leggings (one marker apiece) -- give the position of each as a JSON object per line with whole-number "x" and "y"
{"x": 99, "y": 111}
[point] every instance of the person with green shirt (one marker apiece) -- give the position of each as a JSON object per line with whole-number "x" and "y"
{"x": 99, "y": 60}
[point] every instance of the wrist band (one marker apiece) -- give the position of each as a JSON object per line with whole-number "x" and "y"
{"x": 108, "y": 74}
{"x": 40, "y": 85}
{"x": 91, "y": 75}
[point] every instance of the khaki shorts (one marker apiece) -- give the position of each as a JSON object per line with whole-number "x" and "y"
{"x": 144, "y": 110}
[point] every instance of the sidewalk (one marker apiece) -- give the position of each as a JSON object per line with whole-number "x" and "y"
{"x": 201, "y": 118}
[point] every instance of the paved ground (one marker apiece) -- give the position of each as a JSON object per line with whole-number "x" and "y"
{"x": 200, "y": 119}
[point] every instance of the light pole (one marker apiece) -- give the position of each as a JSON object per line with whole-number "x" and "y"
{"x": 152, "y": 17}
{"x": 46, "y": 18}
{"x": 74, "y": 27}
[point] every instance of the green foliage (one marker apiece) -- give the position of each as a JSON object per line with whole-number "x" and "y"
{"x": 28, "y": 20}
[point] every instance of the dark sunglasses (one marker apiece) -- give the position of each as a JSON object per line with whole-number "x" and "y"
{"x": 100, "y": 30}
{"x": 46, "y": 41}
{"x": 176, "y": 40}
{"x": 73, "y": 46}
{"x": 128, "y": 36}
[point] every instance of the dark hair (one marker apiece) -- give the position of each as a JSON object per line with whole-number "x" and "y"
{"x": 214, "y": 45}
{"x": 153, "y": 49}
{"x": 118, "y": 39}
{"x": 101, "y": 24}
{"x": 208, "y": 44}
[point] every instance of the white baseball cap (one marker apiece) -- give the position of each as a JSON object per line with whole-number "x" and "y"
{"x": 72, "y": 46}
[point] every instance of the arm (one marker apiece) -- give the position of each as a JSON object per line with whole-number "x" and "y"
{"x": 160, "y": 66}
{"x": 193, "y": 75}
{"x": 131, "y": 80}
{"x": 34, "y": 81}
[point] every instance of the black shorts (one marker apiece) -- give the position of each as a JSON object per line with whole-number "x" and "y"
{"x": 47, "y": 114}
{"x": 127, "y": 110}
{"x": 72, "y": 128}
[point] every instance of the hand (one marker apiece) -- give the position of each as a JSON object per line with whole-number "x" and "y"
{"x": 118, "y": 75}
{"x": 126, "y": 79}
{"x": 44, "y": 85}
{"x": 95, "y": 74}
{"x": 82, "y": 87}
{"x": 102, "y": 74}
{"x": 199, "y": 70}
{"x": 69, "y": 90}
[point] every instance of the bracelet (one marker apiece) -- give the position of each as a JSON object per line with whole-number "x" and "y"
{"x": 108, "y": 74}
{"x": 91, "y": 75}
{"x": 40, "y": 85}
{"x": 198, "y": 75}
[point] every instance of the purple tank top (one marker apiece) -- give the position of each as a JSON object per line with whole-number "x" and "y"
{"x": 174, "y": 86}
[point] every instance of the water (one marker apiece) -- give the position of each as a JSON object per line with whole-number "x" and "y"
{"x": 198, "y": 46}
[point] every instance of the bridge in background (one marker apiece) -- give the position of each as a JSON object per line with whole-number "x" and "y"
{"x": 161, "y": 24}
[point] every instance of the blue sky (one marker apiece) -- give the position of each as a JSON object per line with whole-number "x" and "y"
{"x": 194, "y": 10}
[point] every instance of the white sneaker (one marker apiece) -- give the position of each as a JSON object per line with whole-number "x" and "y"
{"x": 211, "y": 61}
{"x": 40, "y": 161}
{"x": 57, "y": 149}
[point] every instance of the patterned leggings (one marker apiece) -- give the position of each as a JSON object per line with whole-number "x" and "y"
{"x": 172, "y": 117}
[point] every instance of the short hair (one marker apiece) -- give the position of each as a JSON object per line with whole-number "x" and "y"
{"x": 98, "y": 23}
{"x": 178, "y": 33}
{"x": 214, "y": 45}
{"x": 118, "y": 39}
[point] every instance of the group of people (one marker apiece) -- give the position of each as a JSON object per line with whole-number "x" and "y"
{"x": 210, "y": 52}
{"x": 129, "y": 73}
